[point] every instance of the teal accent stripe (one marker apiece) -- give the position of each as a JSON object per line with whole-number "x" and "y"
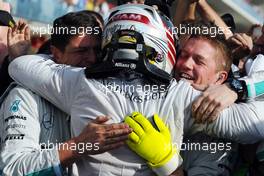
{"x": 46, "y": 172}
{"x": 259, "y": 87}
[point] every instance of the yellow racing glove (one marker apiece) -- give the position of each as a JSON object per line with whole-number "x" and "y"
{"x": 153, "y": 145}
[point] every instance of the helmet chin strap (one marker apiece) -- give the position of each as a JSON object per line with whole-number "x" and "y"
{"x": 130, "y": 56}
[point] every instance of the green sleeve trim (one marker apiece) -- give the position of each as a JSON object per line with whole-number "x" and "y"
{"x": 46, "y": 172}
{"x": 259, "y": 87}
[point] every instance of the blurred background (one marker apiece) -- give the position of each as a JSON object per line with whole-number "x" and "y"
{"x": 40, "y": 13}
{"x": 245, "y": 12}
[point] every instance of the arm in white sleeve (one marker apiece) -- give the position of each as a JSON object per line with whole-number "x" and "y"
{"x": 240, "y": 122}
{"x": 57, "y": 83}
{"x": 244, "y": 122}
{"x": 21, "y": 152}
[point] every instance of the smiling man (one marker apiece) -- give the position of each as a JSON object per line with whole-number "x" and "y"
{"x": 82, "y": 40}
{"x": 204, "y": 60}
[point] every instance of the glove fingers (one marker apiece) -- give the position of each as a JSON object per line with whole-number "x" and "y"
{"x": 133, "y": 137}
{"x": 161, "y": 126}
{"x": 135, "y": 126}
{"x": 142, "y": 120}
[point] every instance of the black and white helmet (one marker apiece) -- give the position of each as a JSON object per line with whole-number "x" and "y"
{"x": 139, "y": 37}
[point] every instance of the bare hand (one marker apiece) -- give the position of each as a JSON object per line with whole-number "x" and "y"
{"x": 213, "y": 100}
{"x": 106, "y": 136}
{"x": 243, "y": 45}
{"x": 18, "y": 40}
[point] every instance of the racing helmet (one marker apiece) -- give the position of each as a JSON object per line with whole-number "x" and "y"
{"x": 139, "y": 37}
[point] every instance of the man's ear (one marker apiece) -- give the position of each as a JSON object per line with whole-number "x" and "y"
{"x": 222, "y": 76}
{"x": 57, "y": 54}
